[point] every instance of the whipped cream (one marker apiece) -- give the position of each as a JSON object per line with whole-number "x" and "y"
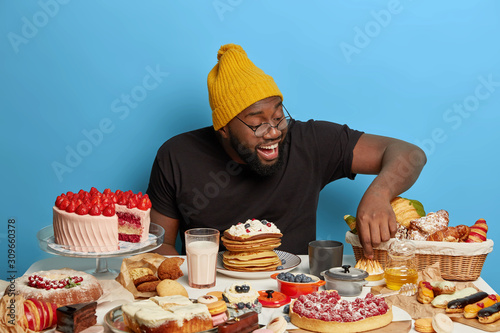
{"x": 254, "y": 227}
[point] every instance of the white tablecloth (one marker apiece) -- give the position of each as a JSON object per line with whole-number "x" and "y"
{"x": 85, "y": 264}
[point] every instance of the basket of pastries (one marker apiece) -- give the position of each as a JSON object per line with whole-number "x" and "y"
{"x": 460, "y": 250}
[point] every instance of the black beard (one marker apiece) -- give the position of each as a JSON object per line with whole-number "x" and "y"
{"x": 250, "y": 157}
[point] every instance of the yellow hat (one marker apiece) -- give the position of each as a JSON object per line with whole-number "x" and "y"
{"x": 235, "y": 83}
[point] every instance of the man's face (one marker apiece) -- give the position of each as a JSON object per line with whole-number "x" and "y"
{"x": 264, "y": 155}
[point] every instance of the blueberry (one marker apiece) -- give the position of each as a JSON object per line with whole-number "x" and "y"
{"x": 264, "y": 222}
{"x": 298, "y": 278}
{"x": 279, "y": 267}
{"x": 238, "y": 289}
{"x": 247, "y": 225}
{"x": 287, "y": 318}
{"x": 280, "y": 276}
{"x": 240, "y": 305}
{"x": 286, "y": 309}
{"x": 245, "y": 288}
{"x": 248, "y": 305}
{"x": 225, "y": 298}
{"x": 283, "y": 261}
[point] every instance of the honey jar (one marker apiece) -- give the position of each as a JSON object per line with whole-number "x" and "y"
{"x": 401, "y": 267}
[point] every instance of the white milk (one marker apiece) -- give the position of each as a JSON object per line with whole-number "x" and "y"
{"x": 202, "y": 262}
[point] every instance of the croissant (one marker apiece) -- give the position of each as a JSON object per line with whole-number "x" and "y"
{"x": 449, "y": 234}
{"x": 407, "y": 210}
{"x": 463, "y": 232}
{"x": 478, "y": 232}
{"x": 421, "y": 228}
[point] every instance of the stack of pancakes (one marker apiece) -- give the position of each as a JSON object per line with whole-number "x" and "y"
{"x": 252, "y": 251}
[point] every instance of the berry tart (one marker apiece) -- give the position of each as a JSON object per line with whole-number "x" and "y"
{"x": 95, "y": 222}
{"x": 325, "y": 311}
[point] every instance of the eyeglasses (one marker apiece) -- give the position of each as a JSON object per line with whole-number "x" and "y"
{"x": 264, "y": 128}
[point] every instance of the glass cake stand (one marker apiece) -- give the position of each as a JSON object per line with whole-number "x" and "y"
{"x": 47, "y": 243}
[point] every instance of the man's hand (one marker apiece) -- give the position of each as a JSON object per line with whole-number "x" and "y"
{"x": 397, "y": 165}
{"x": 375, "y": 222}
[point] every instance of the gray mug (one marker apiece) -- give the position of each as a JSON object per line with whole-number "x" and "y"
{"x": 323, "y": 255}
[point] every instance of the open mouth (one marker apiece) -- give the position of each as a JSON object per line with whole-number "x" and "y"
{"x": 268, "y": 152}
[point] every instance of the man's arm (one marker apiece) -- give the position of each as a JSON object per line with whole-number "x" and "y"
{"x": 397, "y": 165}
{"x": 171, "y": 227}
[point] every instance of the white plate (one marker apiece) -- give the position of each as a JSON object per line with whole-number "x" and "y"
{"x": 400, "y": 314}
{"x": 291, "y": 261}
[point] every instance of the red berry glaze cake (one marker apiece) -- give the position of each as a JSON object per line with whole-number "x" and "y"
{"x": 95, "y": 222}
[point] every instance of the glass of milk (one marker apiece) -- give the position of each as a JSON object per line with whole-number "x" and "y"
{"x": 202, "y": 246}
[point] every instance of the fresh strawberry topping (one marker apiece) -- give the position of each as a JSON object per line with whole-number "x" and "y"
{"x": 64, "y": 204}
{"x": 96, "y": 203}
{"x": 144, "y": 203}
{"x": 132, "y": 203}
{"x": 109, "y": 210}
{"x": 83, "y": 209}
{"x": 95, "y": 210}
{"x": 71, "y": 207}
{"x": 59, "y": 199}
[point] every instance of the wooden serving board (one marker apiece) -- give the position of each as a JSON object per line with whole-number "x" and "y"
{"x": 403, "y": 326}
{"x": 492, "y": 327}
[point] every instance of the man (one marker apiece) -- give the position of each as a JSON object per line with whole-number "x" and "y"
{"x": 257, "y": 162}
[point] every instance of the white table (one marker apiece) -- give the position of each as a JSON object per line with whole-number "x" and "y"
{"x": 84, "y": 264}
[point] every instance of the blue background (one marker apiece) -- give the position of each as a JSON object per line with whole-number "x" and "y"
{"x": 76, "y": 79}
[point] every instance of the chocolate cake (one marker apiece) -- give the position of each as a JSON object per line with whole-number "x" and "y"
{"x": 77, "y": 317}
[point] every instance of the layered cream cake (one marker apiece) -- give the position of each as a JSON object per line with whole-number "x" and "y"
{"x": 166, "y": 314}
{"x": 96, "y": 222}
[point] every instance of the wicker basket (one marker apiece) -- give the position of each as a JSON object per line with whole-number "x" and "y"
{"x": 453, "y": 267}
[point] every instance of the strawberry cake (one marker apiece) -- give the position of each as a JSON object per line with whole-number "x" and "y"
{"x": 325, "y": 311}
{"x": 96, "y": 222}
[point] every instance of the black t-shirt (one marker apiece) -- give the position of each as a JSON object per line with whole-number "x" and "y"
{"x": 195, "y": 181}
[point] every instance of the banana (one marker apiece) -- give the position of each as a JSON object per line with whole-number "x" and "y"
{"x": 405, "y": 210}
{"x": 351, "y": 222}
